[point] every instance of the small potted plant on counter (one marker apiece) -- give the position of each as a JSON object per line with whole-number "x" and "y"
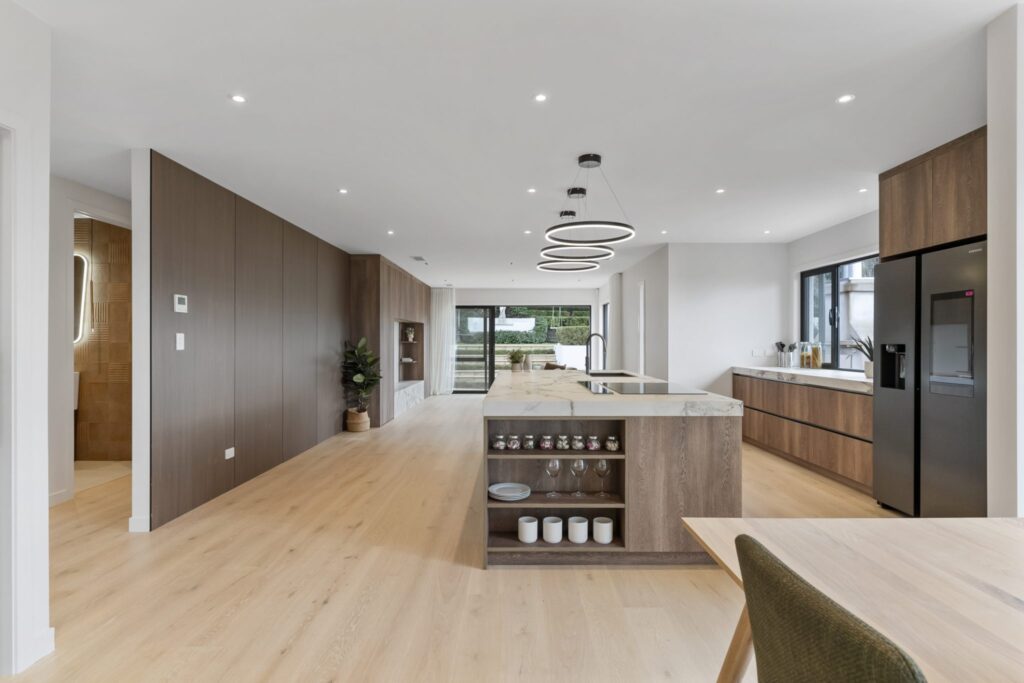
{"x": 867, "y": 347}
{"x": 360, "y": 377}
{"x": 515, "y": 357}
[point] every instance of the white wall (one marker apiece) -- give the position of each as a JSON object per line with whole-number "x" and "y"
{"x": 67, "y": 197}
{"x": 843, "y": 242}
{"x": 611, "y": 293}
{"x": 1005, "y": 439}
{"x": 725, "y": 302}
{"x": 25, "y": 633}
{"x": 525, "y": 297}
{"x": 141, "y": 314}
{"x": 653, "y": 272}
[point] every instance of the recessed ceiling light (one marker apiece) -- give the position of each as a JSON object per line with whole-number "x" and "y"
{"x": 527, "y": 232}
{"x": 664, "y": 232}
{"x": 532, "y": 190}
{"x": 342, "y": 191}
{"x": 391, "y": 232}
{"x": 238, "y": 99}
{"x": 846, "y": 99}
{"x": 767, "y": 232}
{"x": 720, "y": 190}
{"x": 862, "y": 190}
{"x": 540, "y": 97}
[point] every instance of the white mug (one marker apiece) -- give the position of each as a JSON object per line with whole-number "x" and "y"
{"x": 578, "y": 529}
{"x": 553, "y": 529}
{"x": 603, "y": 530}
{"x": 527, "y": 529}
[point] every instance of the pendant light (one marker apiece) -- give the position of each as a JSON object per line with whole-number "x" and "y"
{"x": 564, "y": 233}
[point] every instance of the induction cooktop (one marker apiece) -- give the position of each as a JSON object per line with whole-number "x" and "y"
{"x": 641, "y": 388}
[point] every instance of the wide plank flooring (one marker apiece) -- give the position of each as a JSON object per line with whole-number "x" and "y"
{"x": 359, "y": 561}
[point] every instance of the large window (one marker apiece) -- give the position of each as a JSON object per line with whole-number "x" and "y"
{"x": 837, "y": 307}
{"x": 486, "y": 335}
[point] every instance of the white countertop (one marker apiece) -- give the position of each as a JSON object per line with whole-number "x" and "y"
{"x": 556, "y": 393}
{"x": 844, "y": 380}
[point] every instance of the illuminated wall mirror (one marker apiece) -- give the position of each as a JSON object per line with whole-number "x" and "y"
{"x": 81, "y": 287}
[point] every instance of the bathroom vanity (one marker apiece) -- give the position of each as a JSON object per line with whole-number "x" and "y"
{"x": 678, "y": 454}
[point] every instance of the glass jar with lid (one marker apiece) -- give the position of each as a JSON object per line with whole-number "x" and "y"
{"x": 498, "y": 443}
{"x": 611, "y": 444}
{"x": 816, "y": 355}
{"x": 547, "y": 442}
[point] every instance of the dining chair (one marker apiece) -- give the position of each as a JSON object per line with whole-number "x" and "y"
{"x": 802, "y": 635}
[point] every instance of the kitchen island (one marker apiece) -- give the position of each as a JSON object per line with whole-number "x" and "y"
{"x": 679, "y": 455}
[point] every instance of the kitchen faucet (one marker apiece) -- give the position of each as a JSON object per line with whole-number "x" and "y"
{"x": 604, "y": 349}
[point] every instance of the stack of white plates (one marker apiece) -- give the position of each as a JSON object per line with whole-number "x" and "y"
{"x": 508, "y": 492}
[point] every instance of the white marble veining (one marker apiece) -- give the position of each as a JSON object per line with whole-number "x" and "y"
{"x": 557, "y": 393}
{"x": 843, "y": 380}
{"x": 408, "y": 394}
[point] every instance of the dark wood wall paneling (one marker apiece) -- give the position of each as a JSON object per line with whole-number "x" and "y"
{"x": 381, "y": 295}
{"x": 192, "y": 393}
{"x": 267, "y": 317}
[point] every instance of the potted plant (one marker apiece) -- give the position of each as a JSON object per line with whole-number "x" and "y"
{"x": 360, "y": 377}
{"x": 867, "y": 347}
{"x": 515, "y": 357}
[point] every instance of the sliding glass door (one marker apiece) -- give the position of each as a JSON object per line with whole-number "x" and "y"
{"x": 474, "y": 348}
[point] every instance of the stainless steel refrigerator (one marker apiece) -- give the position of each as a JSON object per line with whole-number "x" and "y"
{"x": 930, "y": 370}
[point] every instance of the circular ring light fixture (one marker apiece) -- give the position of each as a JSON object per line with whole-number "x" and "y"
{"x": 568, "y": 214}
{"x": 556, "y": 234}
{"x": 576, "y": 192}
{"x": 563, "y": 252}
{"x": 551, "y": 266}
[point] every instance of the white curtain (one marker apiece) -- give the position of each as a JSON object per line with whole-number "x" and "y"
{"x": 442, "y": 341}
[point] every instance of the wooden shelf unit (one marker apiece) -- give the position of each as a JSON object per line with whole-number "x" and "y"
{"x": 410, "y": 349}
{"x": 528, "y": 467}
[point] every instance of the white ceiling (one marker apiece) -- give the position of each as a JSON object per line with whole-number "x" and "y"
{"x": 425, "y": 112}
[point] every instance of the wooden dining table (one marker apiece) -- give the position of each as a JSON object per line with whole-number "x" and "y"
{"x": 950, "y": 592}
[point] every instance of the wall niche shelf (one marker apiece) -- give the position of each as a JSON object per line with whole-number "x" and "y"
{"x": 412, "y": 369}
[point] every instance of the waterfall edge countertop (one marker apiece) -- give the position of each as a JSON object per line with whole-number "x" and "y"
{"x": 558, "y": 393}
{"x": 844, "y": 380}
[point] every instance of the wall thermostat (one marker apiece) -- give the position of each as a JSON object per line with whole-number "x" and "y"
{"x": 180, "y": 303}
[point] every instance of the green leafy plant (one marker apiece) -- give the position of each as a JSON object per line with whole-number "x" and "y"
{"x": 516, "y": 356}
{"x": 575, "y": 335}
{"x": 865, "y": 345}
{"x": 359, "y": 374}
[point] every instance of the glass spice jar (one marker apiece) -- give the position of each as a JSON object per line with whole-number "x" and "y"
{"x": 593, "y": 443}
{"x": 611, "y": 444}
{"x": 514, "y": 444}
{"x": 562, "y": 444}
{"x": 499, "y": 442}
{"x": 578, "y": 444}
{"x": 547, "y": 442}
{"x": 529, "y": 443}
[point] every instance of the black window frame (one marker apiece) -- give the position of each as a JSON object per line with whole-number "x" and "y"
{"x": 831, "y": 363}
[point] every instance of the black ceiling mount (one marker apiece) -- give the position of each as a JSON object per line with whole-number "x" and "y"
{"x": 589, "y": 160}
{"x": 567, "y": 214}
{"x": 576, "y": 192}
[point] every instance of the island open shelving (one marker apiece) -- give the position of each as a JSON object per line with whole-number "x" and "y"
{"x": 678, "y": 455}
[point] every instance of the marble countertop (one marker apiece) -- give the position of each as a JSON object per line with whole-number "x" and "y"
{"x": 557, "y": 393}
{"x": 843, "y": 380}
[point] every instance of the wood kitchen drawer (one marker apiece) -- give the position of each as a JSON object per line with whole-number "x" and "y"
{"x": 847, "y": 457}
{"x": 838, "y": 411}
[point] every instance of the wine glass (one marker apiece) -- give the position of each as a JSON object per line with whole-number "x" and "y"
{"x": 578, "y": 468}
{"x": 601, "y": 469}
{"x": 553, "y": 467}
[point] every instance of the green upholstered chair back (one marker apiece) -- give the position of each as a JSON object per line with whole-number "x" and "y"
{"x": 800, "y": 634}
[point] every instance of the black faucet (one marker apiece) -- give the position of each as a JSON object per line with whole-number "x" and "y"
{"x": 604, "y": 349}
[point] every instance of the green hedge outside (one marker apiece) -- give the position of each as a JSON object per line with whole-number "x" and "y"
{"x": 573, "y": 336}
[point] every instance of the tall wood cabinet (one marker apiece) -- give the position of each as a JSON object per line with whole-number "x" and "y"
{"x": 937, "y": 198}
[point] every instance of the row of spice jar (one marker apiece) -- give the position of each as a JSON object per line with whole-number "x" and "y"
{"x": 561, "y": 442}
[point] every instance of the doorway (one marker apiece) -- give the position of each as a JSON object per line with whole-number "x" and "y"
{"x": 101, "y": 271}
{"x": 474, "y": 349}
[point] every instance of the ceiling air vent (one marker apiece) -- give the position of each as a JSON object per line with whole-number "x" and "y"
{"x": 421, "y": 260}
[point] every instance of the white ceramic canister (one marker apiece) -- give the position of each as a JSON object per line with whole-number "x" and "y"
{"x": 578, "y": 529}
{"x": 527, "y": 529}
{"x": 603, "y": 530}
{"x": 553, "y": 529}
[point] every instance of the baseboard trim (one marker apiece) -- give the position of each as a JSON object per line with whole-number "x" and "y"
{"x": 62, "y": 496}
{"x": 41, "y": 645}
{"x": 138, "y": 524}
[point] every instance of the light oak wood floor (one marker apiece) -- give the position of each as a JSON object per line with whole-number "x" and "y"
{"x": 359, "y": 561}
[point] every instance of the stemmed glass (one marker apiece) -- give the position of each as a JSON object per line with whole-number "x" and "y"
{"x": 601, "y": 469}
{"x": 578, "y": 468}
{"x": 553, "y": 467}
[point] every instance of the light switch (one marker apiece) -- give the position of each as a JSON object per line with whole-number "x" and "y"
{"x": 229, "y": 453}
{"x": 180, "y": 303}
{"x": 179, "y": 341}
